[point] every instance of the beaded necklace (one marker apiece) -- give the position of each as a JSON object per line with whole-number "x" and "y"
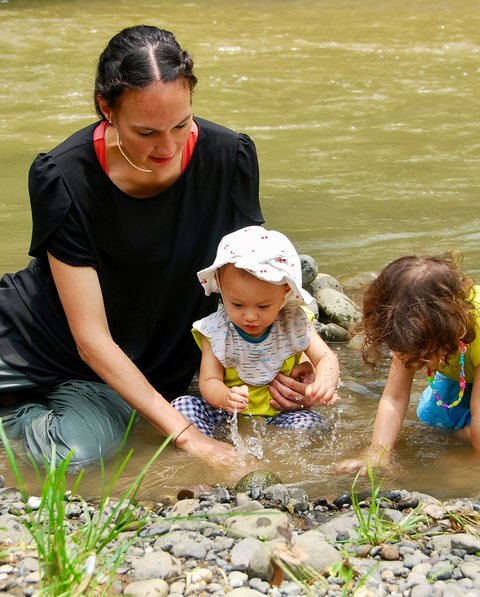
{"x": 461, "y": 381}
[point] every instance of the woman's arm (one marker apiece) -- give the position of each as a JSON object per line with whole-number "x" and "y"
{"x": 81, "y": 297}
{"x": 291, "y": 392}
{"x": 388, "y": 421}
{"x": 213, "y": 390}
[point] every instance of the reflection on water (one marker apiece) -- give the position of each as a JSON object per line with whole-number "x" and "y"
{"x": 365, "y": 117}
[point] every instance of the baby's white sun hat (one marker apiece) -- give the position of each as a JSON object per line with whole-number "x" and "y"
{"x": 266, "y": 254}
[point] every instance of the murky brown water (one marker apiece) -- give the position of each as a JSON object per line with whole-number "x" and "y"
{"x": 366, "y": 121}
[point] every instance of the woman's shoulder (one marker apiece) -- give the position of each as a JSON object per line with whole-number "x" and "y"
{"x": 217, "y": 134}
{"x": 65, "y": 160}
{"x": 79, "y": 139}
{"x": 77, "y": 147}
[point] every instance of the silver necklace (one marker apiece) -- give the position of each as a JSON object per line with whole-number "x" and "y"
{"x": 128, "y": 159}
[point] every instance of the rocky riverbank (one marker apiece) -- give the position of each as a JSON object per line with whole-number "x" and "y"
{"x": 239, "y": 542}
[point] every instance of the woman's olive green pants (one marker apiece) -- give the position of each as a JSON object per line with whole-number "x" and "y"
{"x": 84, "y": 416}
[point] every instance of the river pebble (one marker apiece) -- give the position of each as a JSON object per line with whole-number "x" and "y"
{"x": 218, "y": 551}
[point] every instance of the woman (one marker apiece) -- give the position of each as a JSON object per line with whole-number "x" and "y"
{"x": 125, "y": 211}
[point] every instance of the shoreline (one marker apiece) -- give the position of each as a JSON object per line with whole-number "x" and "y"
{"x": 218, "y": 542}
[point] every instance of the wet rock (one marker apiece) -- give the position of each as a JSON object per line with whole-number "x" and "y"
{"x": 356, "y": 388}
{"x": 356, "y": 342}
{"x": 332, "y": 332}
{"x": 278, "y": 493}
{"x": 409, "y": 501}
{"x": 260, "y": 479}
{"x": 346, "y": 498}
{"x": 221, "y": 494}
{"x": 337, "y": 307}
{"x": 354, "y": 285}
{"x": 324, "y": 281}
{"x": 309, "y": 269}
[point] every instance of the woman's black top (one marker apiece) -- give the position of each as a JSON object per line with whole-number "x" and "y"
{"x": 146, "y": 253}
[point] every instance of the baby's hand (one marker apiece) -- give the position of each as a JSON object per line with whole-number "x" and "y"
{"x": 237, "y": 399}
{"x": 322, "y": 392}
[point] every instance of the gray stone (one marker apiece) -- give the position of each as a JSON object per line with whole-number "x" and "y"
{"x": 259, "y": 478}
{"x": 259, "y": 585}
{"x": 263, "y": 525}
{"x": 154, "y": 587}
{"x": 469, "y": 569}
{"x": 154, "y": 565}
{"x": 321, "y": 555}
{"x": 337, "y": 307}
{"x": 251, "y": 555}
{"x": 244, "y": 592}
{"x": 309, "y": 269}
{"x": 332, "y": 332}
{"x": 12, "y": 531}
{"x": 441, "y": 571}
{"x": 345, "y": 522}
{"x": 469, "y": 543}
{"x": 324, "y": 281}
{"x": 421, "y": 590}
{"x": 278, "y": 492}
{"x": 186, "y": 544}
{"x": 184, "y": 507}
{"x": 237, "y": 579}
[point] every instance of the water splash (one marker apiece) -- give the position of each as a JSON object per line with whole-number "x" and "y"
{"x": 252, "y": 444}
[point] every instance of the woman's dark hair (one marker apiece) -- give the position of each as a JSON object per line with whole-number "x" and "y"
{"x": 419, "y": 307}
{"x": 136, "y": 57}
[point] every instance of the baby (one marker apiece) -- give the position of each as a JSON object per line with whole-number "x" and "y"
{"x": 261, "y": 328}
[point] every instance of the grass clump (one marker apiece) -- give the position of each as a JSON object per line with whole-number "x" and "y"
{"x": 87, "y": 558}
{"x": 373, "y": 527}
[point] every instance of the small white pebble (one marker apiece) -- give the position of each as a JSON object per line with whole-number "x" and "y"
{"x": 34, "y": 502}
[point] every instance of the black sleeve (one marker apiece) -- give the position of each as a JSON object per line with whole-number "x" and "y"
{"x": 58, "y": 225}
{"x": 245, "y": 184}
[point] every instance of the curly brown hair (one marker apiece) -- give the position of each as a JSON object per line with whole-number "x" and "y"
{"x": 420, "y": 308}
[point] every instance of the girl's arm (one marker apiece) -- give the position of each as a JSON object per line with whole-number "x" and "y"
{"x": 388, "y": 421}
{"x": 325, "y": 361}
{"x": 81, "y": 296}
{"x": 213, "y": 390}
{"x": 472, "y": 433}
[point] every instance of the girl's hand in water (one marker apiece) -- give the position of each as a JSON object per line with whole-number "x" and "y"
{"x": 375, "y": 457}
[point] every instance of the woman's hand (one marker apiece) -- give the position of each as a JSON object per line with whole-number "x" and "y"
{"x": 215, "y": 453}
{"x": 288, "y": 391}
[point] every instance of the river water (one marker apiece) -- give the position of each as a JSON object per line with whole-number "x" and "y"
{"x": 365, "y": 117}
